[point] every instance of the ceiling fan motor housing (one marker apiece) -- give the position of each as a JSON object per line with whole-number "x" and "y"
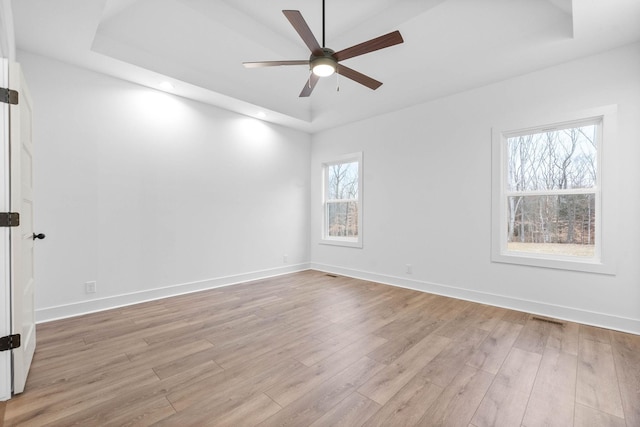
{"x": 323, "y": 63}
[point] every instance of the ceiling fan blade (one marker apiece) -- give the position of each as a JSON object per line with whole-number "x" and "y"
{"x": 309, "y": 85}
{"x": 358, "y": 77}
{"x": 274, "y": 63}
{"x": 378, "y": 43}
{"x": 300, "y": 25}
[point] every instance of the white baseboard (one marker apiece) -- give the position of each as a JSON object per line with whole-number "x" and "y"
{"x": 602, "y": 320}
{"x": 91, "y": 306}
{"x": 571, "y": 314}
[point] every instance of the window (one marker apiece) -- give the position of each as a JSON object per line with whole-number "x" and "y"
{"x": 342, "y": 204}
{"x": 548, "y": 198}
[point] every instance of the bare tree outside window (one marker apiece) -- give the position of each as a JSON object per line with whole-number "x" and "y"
{"x": 551, "y": 189}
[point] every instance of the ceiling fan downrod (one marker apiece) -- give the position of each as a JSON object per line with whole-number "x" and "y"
{"x": 323, "y": 42}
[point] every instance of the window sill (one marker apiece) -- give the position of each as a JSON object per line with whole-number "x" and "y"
{"x": 341, "y": 242}
{"x": 555, "y": 262}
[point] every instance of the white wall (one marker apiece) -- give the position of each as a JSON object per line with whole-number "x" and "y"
{"x": 144, "y": 192}
{"x": 427, "y": 194}
{"x": 150, "y": 194}
{"x": 7, "y": 33}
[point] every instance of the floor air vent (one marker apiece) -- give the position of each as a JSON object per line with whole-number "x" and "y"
{"x": 542, "y": 319}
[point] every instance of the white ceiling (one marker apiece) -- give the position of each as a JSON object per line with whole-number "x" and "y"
{"x": 199, "y": 45}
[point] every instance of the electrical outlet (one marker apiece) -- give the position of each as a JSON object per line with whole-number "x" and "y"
{"x": 90, "y": 287}
{"x": 285, "y": 258}
{"x": 409, "y": 269}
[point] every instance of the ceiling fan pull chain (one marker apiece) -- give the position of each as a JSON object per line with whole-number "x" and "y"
{"x": 337, "y": 80}
{"x": 309, "y": 79}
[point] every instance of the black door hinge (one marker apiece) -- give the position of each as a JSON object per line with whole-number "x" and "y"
{"x": 9, "y": 342}
{"x": 8, "y": 96}
{"x": 9, "y": 219}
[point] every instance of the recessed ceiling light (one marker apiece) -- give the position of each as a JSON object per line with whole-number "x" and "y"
{"x": 166, "y": 86}
{"x": 261, "y": 115}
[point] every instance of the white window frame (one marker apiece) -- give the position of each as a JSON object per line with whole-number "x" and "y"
{"x": 604, "y": 259}
{"x": 333, "y": 240}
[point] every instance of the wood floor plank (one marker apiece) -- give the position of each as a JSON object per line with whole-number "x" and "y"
{"x": 73, "y": 402}
{"x": 506, "y": 400}
{"x": 40, "y": 377}
{"x": 258, "y": 374}
{"x": 402, "y": 325}
{"x": 595, "y": 334}
{"x": 57, "y": 349}
{"x": 495, "y": 348}
{"x": 445, "y": 366}
{"x": 218, "y": 325}
{"x": 53, "y": 333}
{"x": 320, "y": 400}
{"x": 105, "y": 383}
{"x": 257, "y": 378}
{"x": 353, "y": 309}
{"x": 597, "y": 383}
{"x": 126, "y": 331}
{"x": 399, "y": 343}
{"x": 487, "y": 317}
{"x": 552, "y": 399}
{"x": 353, "y": 411}
{"x": 309, "y": 349}
{"x": 564, "y": 337}
{"x": 589, "y": 417}
{"x": 237, "y": 409}
{"x": 408, "y": 405}
{"x": 150, "y": 356}
{"x": 533, "y": 336}
{"x": 129, "y": 401}
{"x": 626, "y": 355}
{"x": 227, "y": 393}
{"x": 251, "y": 412}
{"x": 174, "y": 367}
{"x": 396, "y": 375}
{"x": 302, "y": 382}
{"x": 446, "y": 308}
{"x": 630, "y": 402}
{"x": 152, "y": 411}
{"x": 366, "y": 324}
{"x": 514, "y": 316}
{"x": 457, "y": 403}
{"x": 246, "y": 350}
{"x": 455, "y": 327}
{"x": 321, "y": 350}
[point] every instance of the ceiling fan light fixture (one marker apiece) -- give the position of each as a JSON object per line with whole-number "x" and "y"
{"x": 323, "y": 66}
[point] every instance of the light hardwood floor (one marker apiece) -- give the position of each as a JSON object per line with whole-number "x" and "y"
{"x": 308, "y": 349}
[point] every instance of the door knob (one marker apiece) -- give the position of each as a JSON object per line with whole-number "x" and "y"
{"x": 38, "y": 236}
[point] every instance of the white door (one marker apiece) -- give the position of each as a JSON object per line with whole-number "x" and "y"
{"x": 5, "y": 267}
{"x": 23, "y": 320}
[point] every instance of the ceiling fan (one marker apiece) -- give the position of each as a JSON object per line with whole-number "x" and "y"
{"x": 324, "y": 61}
